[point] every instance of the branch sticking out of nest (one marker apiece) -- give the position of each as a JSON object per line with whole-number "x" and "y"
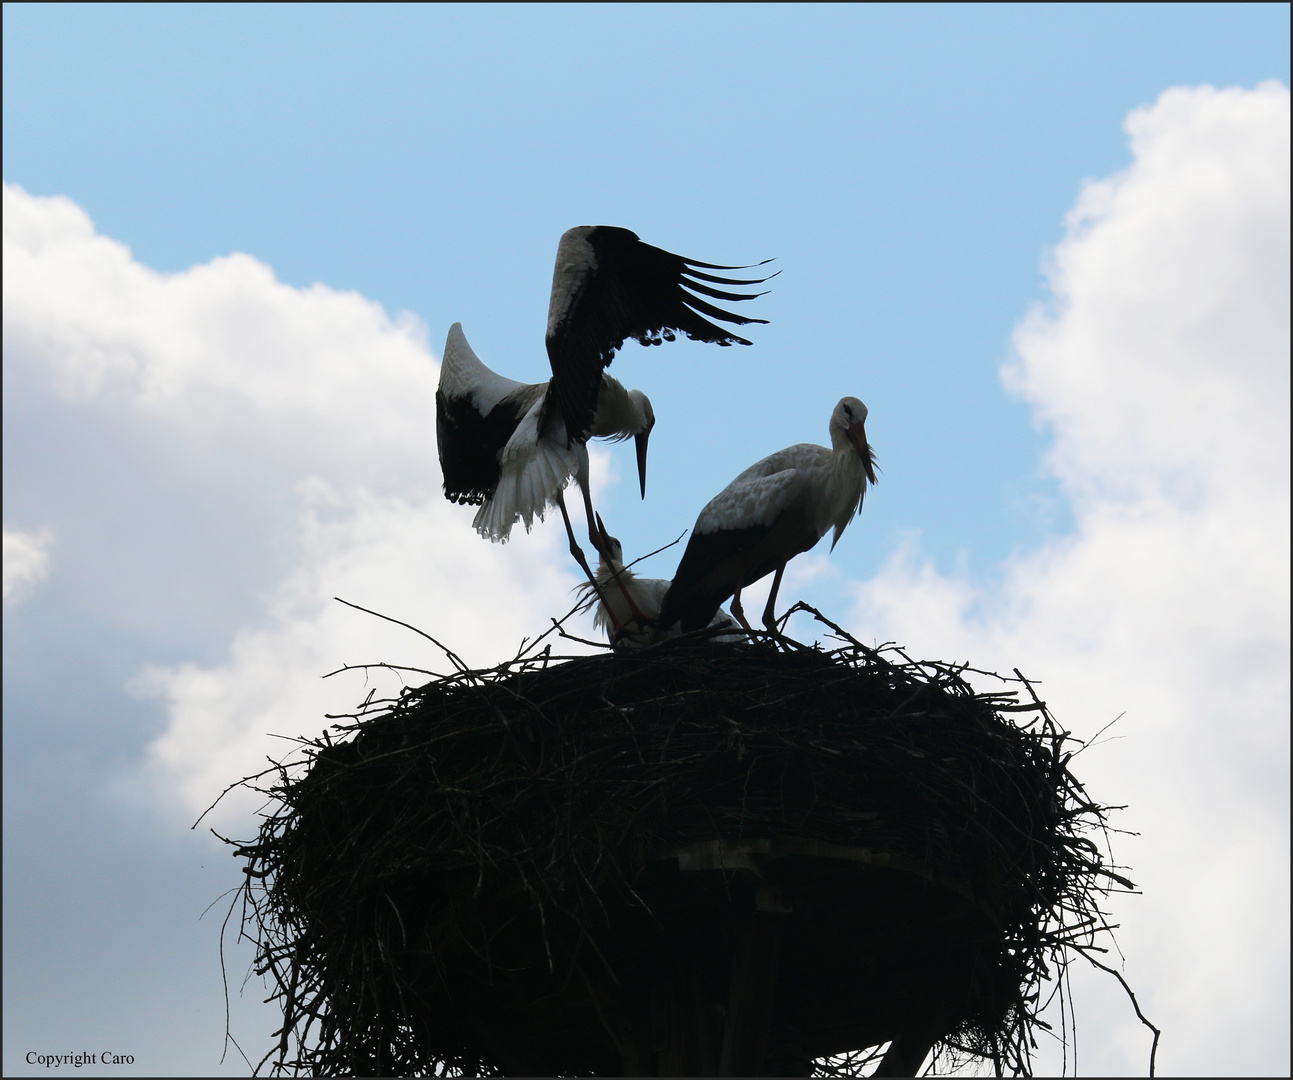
{"x": 480, "y": 876}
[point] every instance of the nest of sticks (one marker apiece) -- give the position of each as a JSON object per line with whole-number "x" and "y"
{"x": 550, "y": 867}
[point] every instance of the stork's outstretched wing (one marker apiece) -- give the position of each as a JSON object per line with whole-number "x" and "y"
{"x": 477, "y": 410}
{"x": 609, "y": 286}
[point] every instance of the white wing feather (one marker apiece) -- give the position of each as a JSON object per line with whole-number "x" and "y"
{"x": 464, "y": 374}
{"x": 531, "y": 473}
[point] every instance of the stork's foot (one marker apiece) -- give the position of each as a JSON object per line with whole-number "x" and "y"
{"x": 635, "y": 633}
{"x": 626, "y": 638}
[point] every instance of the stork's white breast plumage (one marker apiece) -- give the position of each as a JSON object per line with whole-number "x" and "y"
{"x": 777, "y": 508}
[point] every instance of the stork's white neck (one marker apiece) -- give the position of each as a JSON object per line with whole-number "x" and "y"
{"x": 620, "y": 412}
{"x": 846, "y": 483}
{"x": 840, "y": 441}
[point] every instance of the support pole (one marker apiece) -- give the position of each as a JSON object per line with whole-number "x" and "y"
{"x": 754, "y": 984}
{"x": 907, "y": 1053}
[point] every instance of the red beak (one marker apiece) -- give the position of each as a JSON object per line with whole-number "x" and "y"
{"x": 857, "y": 436}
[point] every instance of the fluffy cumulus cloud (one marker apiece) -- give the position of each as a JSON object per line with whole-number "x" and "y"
{"x": 1162, "y": 369}
{"x": 222, "y": 352}
{"x": 302, "y": 424}
{"x": 386, "y": 553}
{"x": 268, "y": 448}
{"x": 26, "y": 561}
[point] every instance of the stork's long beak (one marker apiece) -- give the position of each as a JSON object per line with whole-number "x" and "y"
{"x": 641, "y": 440}
{"x": 857, "y": 436}
{"x": 605, "y": 538}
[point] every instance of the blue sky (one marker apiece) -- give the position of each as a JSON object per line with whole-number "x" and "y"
{"x": 911, "y": 169}
{"x": 905, "y": 166}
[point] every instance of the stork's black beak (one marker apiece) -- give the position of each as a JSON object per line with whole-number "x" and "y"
{"x": 857, "y": 436}
{"x": 641, "y": 440}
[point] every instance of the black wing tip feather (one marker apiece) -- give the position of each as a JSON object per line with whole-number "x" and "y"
{"x": 701, "y": 308}
{"x": 719, "y": 266}
{"x": 691, "y": 282}
{"x": 719, "y": 294}
{"x": 729, "y": 281}
{"x": 698, "y": 305}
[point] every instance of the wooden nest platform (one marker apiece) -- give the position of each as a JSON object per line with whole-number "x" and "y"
{"x": 699, "y": 858}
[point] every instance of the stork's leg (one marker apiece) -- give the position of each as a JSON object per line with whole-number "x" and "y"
{"x": 768, "y": 617}
{"x": 578, "y": 553}
{"x": 737, "y": 610}
{"x": 581, "y": 478}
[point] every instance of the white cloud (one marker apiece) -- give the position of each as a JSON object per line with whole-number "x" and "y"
{"x": 26, "y": 561}
{"x": 309, "y": 375}
{"x": 1162, "y": 370}
{"x": 305, "y": 415}
{"x": 392, "y": 555}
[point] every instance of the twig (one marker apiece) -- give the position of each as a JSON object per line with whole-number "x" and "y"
{"x": 657, "y": 551}
{"x": 454, "y": 658}
{"x": 382, "y": 664}
{"x": 1153, "y": 1050}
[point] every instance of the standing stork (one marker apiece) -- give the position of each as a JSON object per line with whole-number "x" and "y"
{"x": 510, "y": 447}
{"x": 777, "y": 508}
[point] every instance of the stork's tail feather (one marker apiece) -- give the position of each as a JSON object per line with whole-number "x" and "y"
{"x": 528, "y": 484}
{"x": 494, "y": 520}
